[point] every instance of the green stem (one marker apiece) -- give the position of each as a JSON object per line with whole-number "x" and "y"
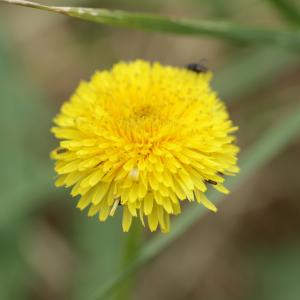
{"x": 148, "y": 22}
{"x": 131, "y": 248}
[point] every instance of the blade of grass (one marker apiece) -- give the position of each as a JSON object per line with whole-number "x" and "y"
{"x": 264, "y": 150}
{"x": 224, "y": 30}
{"x": 287, "y": 10}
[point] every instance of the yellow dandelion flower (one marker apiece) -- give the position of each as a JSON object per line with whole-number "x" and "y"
{"x": 144, "y": 138}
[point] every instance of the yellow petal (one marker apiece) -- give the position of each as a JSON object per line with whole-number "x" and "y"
{"x": 99, "y": 192}
{"x": 127, "y": 219}
{"x": 153, "y": 219}
{"x": 221, "y": 188}
{"x": 148, "y": 204}
{"x": 208, "y": 204}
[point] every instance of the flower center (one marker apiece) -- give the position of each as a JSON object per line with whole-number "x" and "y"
{"x": 144, "y": 111}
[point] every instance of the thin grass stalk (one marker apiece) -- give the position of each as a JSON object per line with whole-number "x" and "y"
{"x": 197, "y": 28}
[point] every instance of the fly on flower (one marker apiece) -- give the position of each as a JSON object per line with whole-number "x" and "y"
{"x": 197, "y": 67}
{"x": 143, "y": 138}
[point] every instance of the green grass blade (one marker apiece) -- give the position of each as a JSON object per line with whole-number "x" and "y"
{"x": 263, "y": 151}
{"x": 224, "y": 30}
{"x": 287, "y": 10}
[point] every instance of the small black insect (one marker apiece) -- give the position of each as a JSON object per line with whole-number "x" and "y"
{"x": 197, "y": 67}
{"x": 211, "y": 181}
{"x": 61, "y": 151}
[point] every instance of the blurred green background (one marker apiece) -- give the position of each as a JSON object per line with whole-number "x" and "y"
{"x": 50, "y": 250}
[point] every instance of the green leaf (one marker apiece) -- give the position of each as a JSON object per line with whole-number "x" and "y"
{"x": 224, "y": 30}
{"x": 263, "y": 151}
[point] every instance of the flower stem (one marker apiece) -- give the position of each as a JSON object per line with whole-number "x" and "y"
{"x": 131, "y": 248}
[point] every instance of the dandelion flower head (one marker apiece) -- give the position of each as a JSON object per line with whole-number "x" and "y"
{"x": 143, "y": 138}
